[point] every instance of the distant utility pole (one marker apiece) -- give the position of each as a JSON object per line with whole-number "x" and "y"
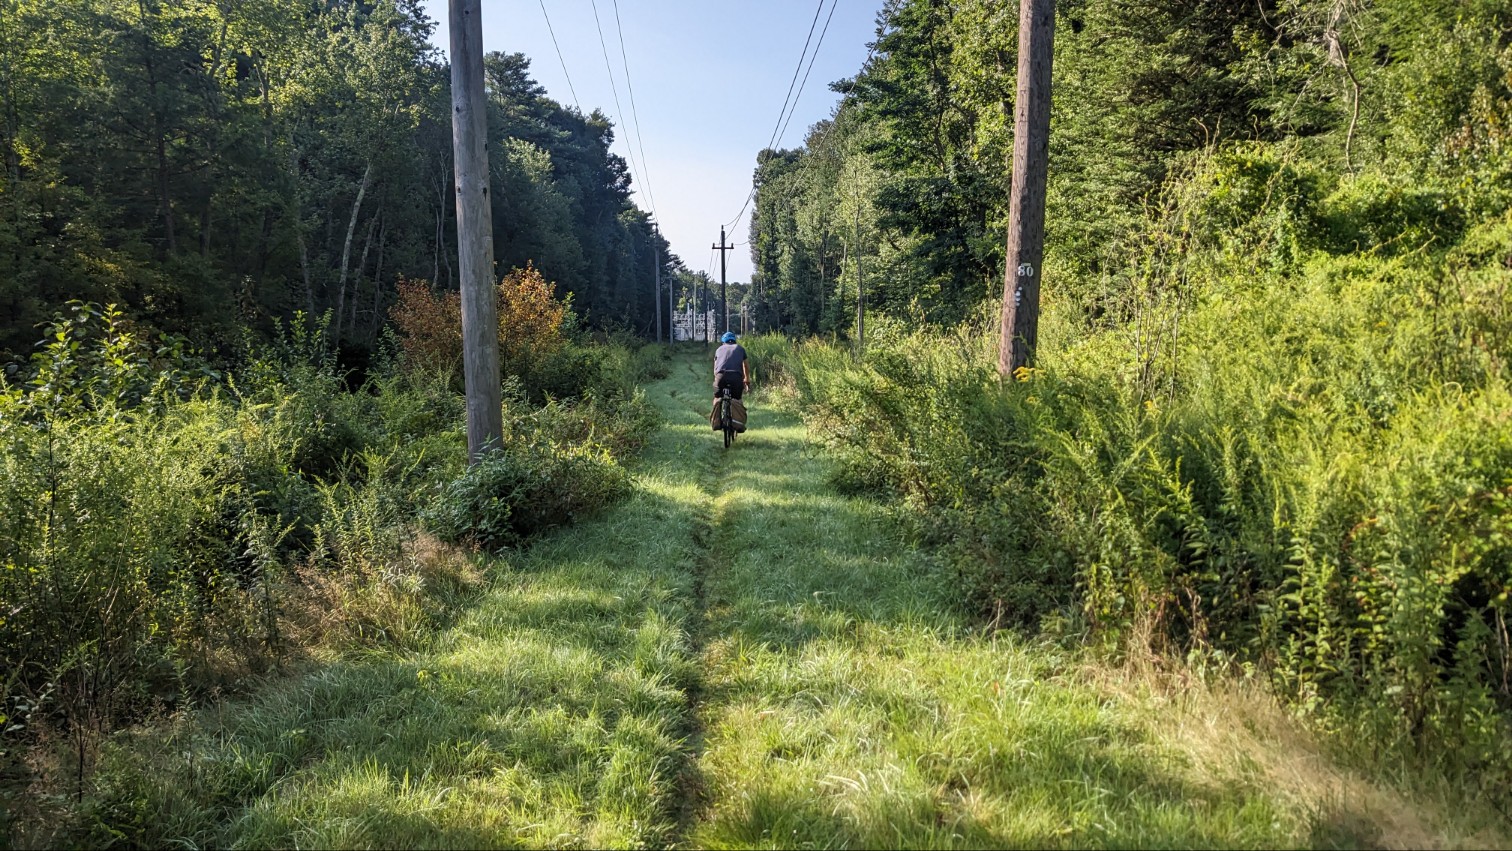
{"x": 657, "y": 255}
{"x": 480, "y": 320}
{"x": 1026, "y": 217}
{"x": 724, "y": 301}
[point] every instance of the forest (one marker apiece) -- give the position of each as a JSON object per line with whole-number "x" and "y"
{"x": 1229, "y": 563}
{"x": 214, "y": 167}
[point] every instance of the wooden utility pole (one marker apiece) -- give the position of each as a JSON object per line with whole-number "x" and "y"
{"x": 724, "y": 295}
{"x": 480, "y": 320}
{"x": 1026, "y": 219}
{"x": 657, "y": 250}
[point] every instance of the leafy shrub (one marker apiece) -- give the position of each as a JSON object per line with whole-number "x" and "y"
{"x": 653, "y": 362}
{"x": 520, "y": 491}
{"x": 429, "y": 325}
{"x": 1304, "y": 467}
{"x": 568, "y": 373}
{"x": 155, "y": 516}
{"x": 620, "y": 426}
{"x": 533, "y": 327}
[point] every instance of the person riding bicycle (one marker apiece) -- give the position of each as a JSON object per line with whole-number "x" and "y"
{"x": 730, "y": 367}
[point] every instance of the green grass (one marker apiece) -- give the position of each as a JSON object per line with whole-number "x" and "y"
{"x": 551, "y": 714}
{"x": 847, "y": 707}
{"x": 735, "y": 657}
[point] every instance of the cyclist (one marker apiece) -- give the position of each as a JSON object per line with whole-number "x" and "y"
{"x": 730, "y": 367}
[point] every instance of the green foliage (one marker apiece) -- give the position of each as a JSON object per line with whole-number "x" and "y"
{"x": 558, "y": 463}
{"x": 1267, "y": 421}
{"x": 1293, "y": 481}
{"x": 511, "y": 494}
{"x": 165, "y": 530}
{"x": 215, "y": 166}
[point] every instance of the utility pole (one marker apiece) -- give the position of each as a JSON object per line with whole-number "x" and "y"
{"x": 724, "y": 300}
{"x": 1026, "y": 218}
{"x": 480, "y": 321}
{"x": 656, "y": 249}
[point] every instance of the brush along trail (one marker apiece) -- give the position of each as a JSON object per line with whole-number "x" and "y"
{"x": 740, "y": 657}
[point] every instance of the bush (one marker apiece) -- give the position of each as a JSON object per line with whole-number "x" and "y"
{"x": 533, "y": 326}
{"x": 166, "y": 530}
{"x": 154, "y": 516}
{"x": 517, "y": 492}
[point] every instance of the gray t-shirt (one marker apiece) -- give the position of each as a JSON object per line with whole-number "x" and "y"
{"x": 729, "y": 357}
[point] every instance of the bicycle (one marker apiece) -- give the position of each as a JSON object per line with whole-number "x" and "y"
{"x": 726, "y": 420}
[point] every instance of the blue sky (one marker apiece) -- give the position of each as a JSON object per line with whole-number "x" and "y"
{"x": 709, "y": 78}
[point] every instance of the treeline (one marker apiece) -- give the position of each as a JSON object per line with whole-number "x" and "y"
{"x": 213, "y": 166}
{"x": 910, "y": 176}
{"x": 1266, "y": 428}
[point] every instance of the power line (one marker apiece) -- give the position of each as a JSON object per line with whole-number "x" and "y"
{"x": 570, "y": 88}
{"x": 634, "y": 113}
{"x": 779, "y": 126}
{"x": 810, "y": 68}
{"x": 619, "y": 110}
{"x": 802, "y": 56}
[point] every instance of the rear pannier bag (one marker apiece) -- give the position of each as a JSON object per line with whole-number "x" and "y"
{"x": 737, "y": 416}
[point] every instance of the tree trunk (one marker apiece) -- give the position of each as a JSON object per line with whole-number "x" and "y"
{"x": 268, "y": 211}
{"x": 346, "y": 247}
{"x": 12, "y": 131}
{"x": 367, "y": 243}
{"x": 299, "y": 234}
{"x": 378, "y": 285}
{"x": 860, "y": 289}
{"x": 160, "y": 133}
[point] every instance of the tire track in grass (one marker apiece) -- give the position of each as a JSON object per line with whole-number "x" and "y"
{"x": 691, "y": 791}
{"x": 707, "y": 537}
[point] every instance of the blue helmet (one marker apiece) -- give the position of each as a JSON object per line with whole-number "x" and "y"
{"x": 729, "y": 337}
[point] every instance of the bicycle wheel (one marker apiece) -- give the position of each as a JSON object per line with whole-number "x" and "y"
{"x": 729, "y": 434}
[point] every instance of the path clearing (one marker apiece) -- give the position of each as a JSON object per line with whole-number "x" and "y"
{"x": 738, "y": 657}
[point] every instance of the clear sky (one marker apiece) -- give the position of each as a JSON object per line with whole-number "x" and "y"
{"x": 709, "y": 78}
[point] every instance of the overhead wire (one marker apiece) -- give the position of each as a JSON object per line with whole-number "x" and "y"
{"x": 802, "y": 56}
{"x": 810, "y": 68}
{"x": 780, "y": 125}
{"x": 619, "y": 110}
{"x": 575, "y": 102}
{"x": 634, "y": 113}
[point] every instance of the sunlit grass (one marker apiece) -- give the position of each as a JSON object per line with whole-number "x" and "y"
{"x": 551, "y": 714}
{"x": 846, "y": 706}
{"x": 738, "y": 657}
